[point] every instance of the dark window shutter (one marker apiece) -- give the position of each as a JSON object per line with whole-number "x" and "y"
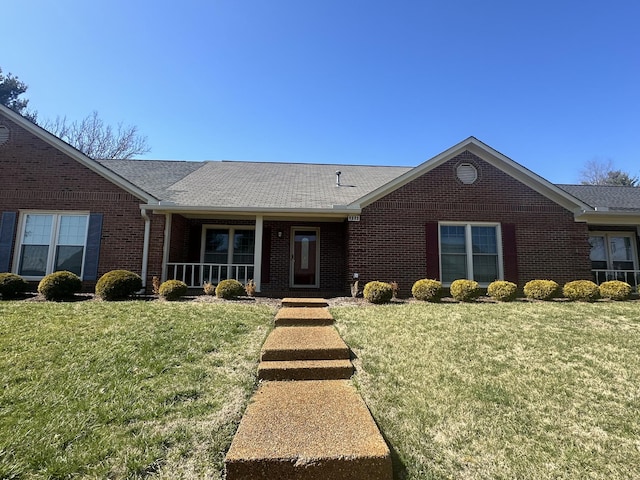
{"x": 7, "y": 230}
{"x": 94, "y": 238}
{"x": 433, "y": 253}
{"x": 266, "y": 255}
{"x": 510, "y": 252}
{"x": 194, "y": 244}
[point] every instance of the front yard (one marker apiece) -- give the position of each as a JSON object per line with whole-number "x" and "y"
{"x": 460, "y": 391}
{"x": 124, "y": 390}
{"x": 518, "y": 390}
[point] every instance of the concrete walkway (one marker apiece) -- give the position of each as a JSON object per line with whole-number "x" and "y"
{"x": 306, "y": 421}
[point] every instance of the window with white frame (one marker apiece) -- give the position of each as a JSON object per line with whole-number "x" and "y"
{"x": 613, "y": 251}
{"x": 231, "y": 250}
{"x": 470, "y": 251}
{"x": 50, "y": 242}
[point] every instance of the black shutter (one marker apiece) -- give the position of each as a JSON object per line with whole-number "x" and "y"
{"x": 92, "y": 255}
{"x": 433, "y": 252}
{"x": 7, "y": 230}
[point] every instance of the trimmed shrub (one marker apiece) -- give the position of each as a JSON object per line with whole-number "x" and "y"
{"x": 59, "y": 286}
{"x": 378, "y": 292}
{"x": 12, "y": 285}
{"x": 173, "y": 290}
{"x": 502, "y": 290}
{"x": 229, "y": 289}
{"x": 615, "y": 290}
{"x": 464, "y": 290}
{"x": 541, "y": 289}
{"x": 581, "y": 290}
{"x": 427, "y": 290}
{"x": 118, "y": 285}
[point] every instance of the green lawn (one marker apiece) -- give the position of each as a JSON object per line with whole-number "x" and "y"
{"x": 124, "y": 390}
{"x": 502, "y": 391}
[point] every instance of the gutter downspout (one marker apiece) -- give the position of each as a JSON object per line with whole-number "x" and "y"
{"x": 145, "y": 249}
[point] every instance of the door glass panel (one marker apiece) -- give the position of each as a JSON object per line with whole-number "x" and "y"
{"x": 243, "y": 246}
{"x": 216, "y": 247}
{"x": 621, "y": 253}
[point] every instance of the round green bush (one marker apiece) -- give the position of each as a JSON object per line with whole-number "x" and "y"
{"x": 581, "y": 290}
{"x": 229, "y": 289}
{"x": 464, "y": 290}
{"x": 615, "y": 290}
{"x": 502, "y": 290}
{"x": 378, "y": 292}
{"x": 118, "y": 285}
{"x": 12, "y": 285}
{"x": 541, "y": 289}
{"x": 427, "y": 290}
{"x": 173, "y": 290}
{"x": 59, "y": 286}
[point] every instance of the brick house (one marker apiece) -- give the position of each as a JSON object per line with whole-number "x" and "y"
{"x": 304, "y": 229}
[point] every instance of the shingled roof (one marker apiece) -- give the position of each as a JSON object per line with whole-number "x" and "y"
{"x": 250, "y": 185}
{"x": 230, "y": 184}
{"x": 615, "y": 198}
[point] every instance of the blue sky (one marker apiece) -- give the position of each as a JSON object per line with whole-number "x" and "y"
{"x": 551, "y": 84}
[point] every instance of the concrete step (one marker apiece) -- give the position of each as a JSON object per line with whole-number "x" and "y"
{"x": 308, "y": 430}
{"x": 304, "y": 302}
{"x": 305, "y": 370}
{"x": 288, "y": 316}
{"x": 304, "y": 343}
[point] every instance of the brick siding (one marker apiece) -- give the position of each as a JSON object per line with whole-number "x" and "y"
{"x": 37, "y": 176}
{"x": 388, "y": 243}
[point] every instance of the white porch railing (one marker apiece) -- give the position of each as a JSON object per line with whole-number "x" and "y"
{"x": 195, "y": 274}
{"x": 632, "y": 277}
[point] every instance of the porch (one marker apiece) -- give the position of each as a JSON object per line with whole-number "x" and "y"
{"x": 632, "y": 277}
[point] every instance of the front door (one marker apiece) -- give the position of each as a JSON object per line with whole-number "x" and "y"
{"x": 305, "y": 257}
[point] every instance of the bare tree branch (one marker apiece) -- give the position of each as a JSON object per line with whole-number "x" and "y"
{"x": 95, "y": 139}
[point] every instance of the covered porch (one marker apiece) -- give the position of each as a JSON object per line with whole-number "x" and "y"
{"x": 282, "y": 255}
{"x": 614, "y": 253}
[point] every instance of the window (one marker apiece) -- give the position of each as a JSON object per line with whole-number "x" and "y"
{"x": 470, "y": 251}
{"x": 51, "y": 242}
{"x": 231, "y": 249}
{"x": 614, "y": 255}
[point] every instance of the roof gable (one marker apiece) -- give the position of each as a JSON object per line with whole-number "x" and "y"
{"x": 76, "y": 155}
{"x": 491, "y": 156}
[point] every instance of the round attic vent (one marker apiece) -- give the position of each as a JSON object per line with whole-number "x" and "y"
{"x": 4, "y": 134}
{"x": 467, "y": 173}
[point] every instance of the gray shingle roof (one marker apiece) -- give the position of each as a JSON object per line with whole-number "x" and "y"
{"x": 227, "y": 184}
{"x": 611, "y": 197}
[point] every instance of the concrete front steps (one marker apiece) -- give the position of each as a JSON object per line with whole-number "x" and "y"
{"x": 306, "y": 421}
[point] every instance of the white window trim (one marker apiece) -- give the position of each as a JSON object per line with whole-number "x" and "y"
{"x": 232, "y": 231}
{"x": 607, "y": 235}
{"x": 469, "y": 252}
{"x": 53, "y": 240}
{"x": 292, "y": 254}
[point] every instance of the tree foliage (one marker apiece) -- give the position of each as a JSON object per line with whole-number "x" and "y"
{"x": 602, "y": 172}
{"x": 10, "y": 90}
{"x": 96, "y": 139}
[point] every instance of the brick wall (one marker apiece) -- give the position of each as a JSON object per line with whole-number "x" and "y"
{"x": 389, "y": 242}
{"x": 37, "y": 176}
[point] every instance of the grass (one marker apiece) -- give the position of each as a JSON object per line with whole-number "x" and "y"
{"x": 502, "y": 391}
{"x": 123, "y": 390}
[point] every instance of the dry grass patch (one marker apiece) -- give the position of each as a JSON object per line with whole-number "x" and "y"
{"x": 523, "y": 390}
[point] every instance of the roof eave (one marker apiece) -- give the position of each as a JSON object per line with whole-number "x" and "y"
{"x": 338, "y": 211}
{"x": 76, "y": 154}
{"x": 609, "y": 217}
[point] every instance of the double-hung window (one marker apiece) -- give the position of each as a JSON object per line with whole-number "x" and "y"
{"x": 470, "y": 251}
{"x": 50, "y": 242}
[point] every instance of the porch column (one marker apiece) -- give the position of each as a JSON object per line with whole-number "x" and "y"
{"x": 257, "y": 253}
{"x": 165, "y": 249}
